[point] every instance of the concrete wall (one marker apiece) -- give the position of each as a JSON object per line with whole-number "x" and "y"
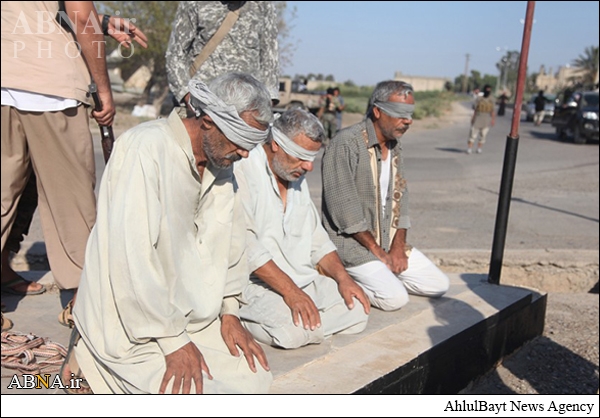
{"x": 421, "y": 83}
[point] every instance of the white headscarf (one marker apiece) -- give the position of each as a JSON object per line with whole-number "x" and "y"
{"x": 291, "y": 148}
{"x": 226, "y": 117}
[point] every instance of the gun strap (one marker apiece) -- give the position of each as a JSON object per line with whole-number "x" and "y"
{"x": 213, "y": 42}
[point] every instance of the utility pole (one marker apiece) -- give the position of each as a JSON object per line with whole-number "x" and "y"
{"x": 464, "y": 82}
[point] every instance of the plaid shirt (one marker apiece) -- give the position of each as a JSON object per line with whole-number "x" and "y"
{"x": 350, "y": 201}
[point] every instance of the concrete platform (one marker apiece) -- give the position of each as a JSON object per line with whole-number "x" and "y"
{"x": 431, "y": 346}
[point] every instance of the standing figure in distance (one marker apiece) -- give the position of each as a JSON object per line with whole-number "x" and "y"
{"x": 540, "y": 108}
{"x": 340, "y": 107}
{"x": 502, "y": 103}
{"x": 327, "y": 114}
{"x": 484, "y": 117}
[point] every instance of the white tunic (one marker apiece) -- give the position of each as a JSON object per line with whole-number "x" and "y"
{"x": 167, "y": 248}
{"x": 294, "y": 239}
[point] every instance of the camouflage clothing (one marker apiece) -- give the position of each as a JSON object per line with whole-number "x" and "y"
{"x": 250, "y": 46}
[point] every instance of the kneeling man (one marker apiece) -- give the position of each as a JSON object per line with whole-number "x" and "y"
{"x": 165, "y": 262}
{"x": 288, "y": 303}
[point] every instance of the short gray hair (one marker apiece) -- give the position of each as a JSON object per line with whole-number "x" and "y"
{"x": 245, "y": 93}
{"x": 385, "y": 89}
{"x": 297, "y": 121}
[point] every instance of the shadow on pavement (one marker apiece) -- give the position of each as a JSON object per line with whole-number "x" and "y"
{"x": 454, "y": 150}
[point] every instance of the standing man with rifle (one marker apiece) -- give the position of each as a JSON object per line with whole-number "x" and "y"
{"x": 46, "y": 72}
{"x": 212, "y": 38}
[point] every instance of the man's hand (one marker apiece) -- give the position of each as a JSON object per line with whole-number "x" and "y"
{"x": 384, "y": 257}
{"x": 235, "y": 335}
{"x": 303, "y": 309}
{"x": 106, "y": 116}
{"x": 349, "y": 289}
{"x": 399, "y": 260}
{"x": 125, "y": 32}
{"x": 184, "y": 366}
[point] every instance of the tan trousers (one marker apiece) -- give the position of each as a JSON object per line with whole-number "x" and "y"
{"x": 58, "y": 147}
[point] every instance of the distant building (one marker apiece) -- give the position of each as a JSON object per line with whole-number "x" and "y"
{"x": 422, "y": 83}
{"x": 552, "y": 82}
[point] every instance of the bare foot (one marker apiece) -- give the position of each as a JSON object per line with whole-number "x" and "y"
{"x": 70, "y": 373}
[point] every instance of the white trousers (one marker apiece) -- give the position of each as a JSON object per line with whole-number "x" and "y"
{"x": 389, "y": 292}
{"x": 269, "y": 319}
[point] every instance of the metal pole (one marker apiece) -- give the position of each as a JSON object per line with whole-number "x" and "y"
{"x": 510, "y": 156}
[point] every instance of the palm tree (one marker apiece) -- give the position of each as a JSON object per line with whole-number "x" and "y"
{"x": 587, "y": 66}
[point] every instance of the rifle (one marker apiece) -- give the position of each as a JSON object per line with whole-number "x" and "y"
{"x": 106, "y": 133}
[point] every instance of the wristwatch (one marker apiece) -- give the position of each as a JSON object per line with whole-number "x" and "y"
{"x": 105, "y": 21}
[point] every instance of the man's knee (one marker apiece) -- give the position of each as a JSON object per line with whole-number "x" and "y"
{"x": 359, "y": 320}
{"x": 441, "y": 286}
{"x": 286, "y": 336}
{"x": 291, "y": 336}
{"x": 391, "y": 303}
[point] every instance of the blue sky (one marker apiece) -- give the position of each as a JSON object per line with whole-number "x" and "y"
{"x": 369, "y": 41}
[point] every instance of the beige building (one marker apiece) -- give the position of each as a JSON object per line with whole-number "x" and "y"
{"x": 552, "y": 82}
{"x": 421, "y": 83}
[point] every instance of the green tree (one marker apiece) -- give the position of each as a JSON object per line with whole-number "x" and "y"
{"x": 154, "y": 18}
{"x": 509, "y": 70}
{"x": 475, "y": 80}
{"x": 587, "y": 67}
{"x": 287, "y": 45}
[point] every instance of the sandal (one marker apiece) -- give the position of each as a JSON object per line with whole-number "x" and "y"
{"x": 30, "y": 354}
{"x": 65, "y": 317}
{"x": 11, "y": 287}
{"x": 70, "y": 371}
{"x": 7, "y": 324}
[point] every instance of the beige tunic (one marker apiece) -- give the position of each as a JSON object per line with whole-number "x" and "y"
{"x": 166, "y": 251}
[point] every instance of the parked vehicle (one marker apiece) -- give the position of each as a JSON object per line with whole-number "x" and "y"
{"x": 529, "y": 108}
{"x": 577, "y": 117}
{"x": 292, "y": 93}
